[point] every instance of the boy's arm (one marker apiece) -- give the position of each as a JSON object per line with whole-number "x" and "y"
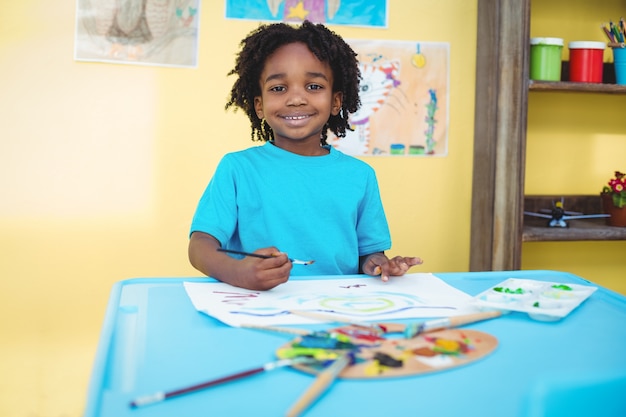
{"x": 250, "y": 272}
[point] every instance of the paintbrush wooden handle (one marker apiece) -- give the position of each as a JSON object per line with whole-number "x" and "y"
{"x": 323, "y": 380}
{"x": 457, "y": 321}
{"x": 415, "y": 329}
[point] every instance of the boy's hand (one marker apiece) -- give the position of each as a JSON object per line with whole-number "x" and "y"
{"x": 249, "y": 272}
{"x": 379, "y": 264}
{"x": 263, "y": 274}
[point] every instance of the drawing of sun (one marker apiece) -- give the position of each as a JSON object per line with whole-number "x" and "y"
{"x": 358, "y": 304}
{"x": 354, "y": 304}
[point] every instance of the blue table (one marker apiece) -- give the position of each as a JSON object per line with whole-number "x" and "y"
{"x": 153, "y": 339}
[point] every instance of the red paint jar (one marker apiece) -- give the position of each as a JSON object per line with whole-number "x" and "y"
{"x": 586, "y": 61}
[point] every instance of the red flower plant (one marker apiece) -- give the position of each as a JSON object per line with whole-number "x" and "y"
{"x": 617, "y": 189}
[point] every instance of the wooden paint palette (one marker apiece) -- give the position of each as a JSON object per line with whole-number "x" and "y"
{"x": 379, "y": 357}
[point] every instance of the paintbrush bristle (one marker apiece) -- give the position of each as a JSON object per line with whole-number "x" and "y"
{"x": 299, "y": 262}
{"x": 413, "y": 330}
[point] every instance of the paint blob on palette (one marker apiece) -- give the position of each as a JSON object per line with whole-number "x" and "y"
{"x": 545, "y": 301}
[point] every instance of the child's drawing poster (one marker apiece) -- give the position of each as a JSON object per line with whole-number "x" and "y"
{"x": 404, "y": 100}
{"x": 367, "y": 13}
{"x": 148, "y": 32}
{"x": 361, "y": 299}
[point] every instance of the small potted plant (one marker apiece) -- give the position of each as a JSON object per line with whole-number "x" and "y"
{"x": 614, "y": 200}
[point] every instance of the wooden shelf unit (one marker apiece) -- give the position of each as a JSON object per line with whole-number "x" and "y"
{"x": 501, "y": 108}
{"x": 536, "y": 229}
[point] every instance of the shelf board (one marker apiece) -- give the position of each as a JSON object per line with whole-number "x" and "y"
{"x": 576, "y": 87}
{"x": 537, "y": 230}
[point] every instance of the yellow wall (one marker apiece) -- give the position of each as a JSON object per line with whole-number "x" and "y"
{"x": 575, "y": 143}
{"x": 101, "y": 167}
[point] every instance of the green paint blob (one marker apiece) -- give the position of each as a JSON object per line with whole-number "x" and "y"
{"x": 536, "y": 304}
{"x": 508, "y": 290}
{"x": 562, "y": 287}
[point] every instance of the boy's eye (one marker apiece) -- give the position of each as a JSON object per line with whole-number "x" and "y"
{"x": 277, "y": 88}
{"x": 315, "y": 87}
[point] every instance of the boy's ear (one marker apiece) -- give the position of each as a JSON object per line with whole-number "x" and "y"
{"x": 336, "y": 104}
{"x": 258, "y": 107}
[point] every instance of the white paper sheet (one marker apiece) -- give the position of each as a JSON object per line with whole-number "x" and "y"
{"x": 358, "y": 297}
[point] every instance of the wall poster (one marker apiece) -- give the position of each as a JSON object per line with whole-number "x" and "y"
{"x": 367, "y": 13}
{"x": 404, "y": 100}
{"x": 149, "y": 32}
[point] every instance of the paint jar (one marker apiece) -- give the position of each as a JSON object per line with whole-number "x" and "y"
{"x": 416, "y": 150}
{"x": 619, "y": 62}
{"x": 545, "y": 59}
{"x": 397, "y": 149}
{"x": 586, "y": 61}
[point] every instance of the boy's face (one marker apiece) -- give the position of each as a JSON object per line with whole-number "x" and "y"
{"x": 297, "y": 98}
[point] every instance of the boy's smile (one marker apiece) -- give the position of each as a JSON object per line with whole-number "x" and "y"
{"x": 297, "y": 117}
{"x": 297, "y": 120}
{"x": 297, "y": 98}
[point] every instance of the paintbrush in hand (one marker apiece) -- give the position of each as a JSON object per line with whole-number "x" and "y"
{"x": 258, "y": 255}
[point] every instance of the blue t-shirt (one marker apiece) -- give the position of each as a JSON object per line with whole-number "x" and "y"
{"x": 326, "y": 208}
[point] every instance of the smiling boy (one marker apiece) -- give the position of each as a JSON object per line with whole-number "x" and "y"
{"x": 295, "y": 195}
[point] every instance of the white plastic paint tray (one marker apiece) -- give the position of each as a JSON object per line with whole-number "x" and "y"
{"x": 545, "y": 301}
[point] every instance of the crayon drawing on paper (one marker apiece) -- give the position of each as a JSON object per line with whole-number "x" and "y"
{"x": 404, "y": 100}
{"x": 148, "y": 32}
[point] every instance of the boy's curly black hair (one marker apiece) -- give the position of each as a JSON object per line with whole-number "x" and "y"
{"x": 323, "y": 43}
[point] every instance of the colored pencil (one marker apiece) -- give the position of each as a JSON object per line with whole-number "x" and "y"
{"x": 258, "y": 255}
{"x": 163, "y": 395}
{"x": 323, "y": 381}
{"x": 615, "y": 32}
{"x": 415, "y": 329}
{"x": 608, "y": 33}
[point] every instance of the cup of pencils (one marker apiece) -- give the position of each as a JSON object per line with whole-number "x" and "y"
{"x": 616, "y": 33}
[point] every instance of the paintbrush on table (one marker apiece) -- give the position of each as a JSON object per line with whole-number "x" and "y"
{"x": 415, "y": 329}
{"x": 323, "y": 381}
{"x": 163, "y": 395}
{"x": 258, "y": 255}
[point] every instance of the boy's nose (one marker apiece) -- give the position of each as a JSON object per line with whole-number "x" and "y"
{"x": 296, "y": 98}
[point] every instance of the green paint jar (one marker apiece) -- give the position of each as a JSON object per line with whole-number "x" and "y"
{"x": 397, "y": 149}
{"x": 416, "y": 150}
{"x": 545, "y": 59}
